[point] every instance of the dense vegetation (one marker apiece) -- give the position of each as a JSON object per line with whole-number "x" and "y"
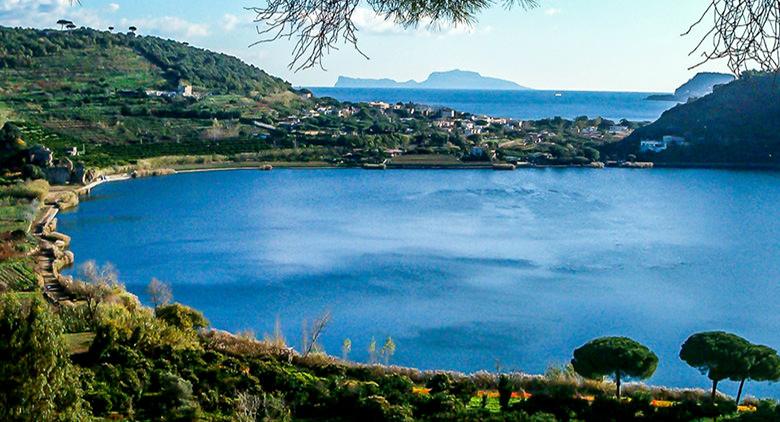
{"x": 738, "y": 123}
{"x": 89, "y": 90}
{"x": 29, "y": 49}
{"x": 107, "y": 356}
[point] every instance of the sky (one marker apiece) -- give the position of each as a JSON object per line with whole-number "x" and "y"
{"x": 593, "y": 45}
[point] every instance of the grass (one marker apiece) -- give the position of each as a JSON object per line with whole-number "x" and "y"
{"x": 32, "y": 190}
{"x": 79, "y": 343}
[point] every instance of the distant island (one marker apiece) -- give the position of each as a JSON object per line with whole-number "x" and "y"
{"x": 453, "y": 79}
{"x": 700, "y": 85}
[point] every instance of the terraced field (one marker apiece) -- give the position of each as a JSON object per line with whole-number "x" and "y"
{"x": 17, "y": 274}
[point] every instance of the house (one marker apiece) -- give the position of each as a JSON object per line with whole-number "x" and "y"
{"x": 674, "y": 140}
{"x": 651, "y": 145}
{"x": 379, "y": 104}
{"x": 444, "y": 124}
{"x": 183, "y": 90}
{"x": 656, "y": 146}
{"x": 473, "y": 130}
{"x": 618, "y": 130}
{"x": 262, "y": 125}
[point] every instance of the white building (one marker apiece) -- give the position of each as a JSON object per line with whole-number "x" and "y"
{"x": 655, "y": 145}
{"x": 618, "y": 130}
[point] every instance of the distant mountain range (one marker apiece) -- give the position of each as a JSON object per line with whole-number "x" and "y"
{"x": 453, "y": 79}
{"x": 700, "y": 85}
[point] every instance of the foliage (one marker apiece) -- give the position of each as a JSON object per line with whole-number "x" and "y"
{"x": 617, "y": 356}
{"x": 159, "y": 293}
{"x": 39, "y": 382}
{"x": 717, "y": 354}
{"x": 181, "y": 317}
{"x": 32, "y": 190}
{"x": 735, "y": 124}
{"x": 758, "y": 363}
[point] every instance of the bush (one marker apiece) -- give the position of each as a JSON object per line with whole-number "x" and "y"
{"x": 182, "y": 317}
{"x": 33, "y": 190}
{"x": 439, "y": 383}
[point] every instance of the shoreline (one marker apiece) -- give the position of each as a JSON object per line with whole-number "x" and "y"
{"x": 46, "y": 231}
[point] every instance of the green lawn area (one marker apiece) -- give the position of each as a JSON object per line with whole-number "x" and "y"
{"x": 79, "y": 342}
{"x": 426, "y": 159}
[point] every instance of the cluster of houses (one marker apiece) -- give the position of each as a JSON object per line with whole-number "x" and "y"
{"x": 183, "y": 90}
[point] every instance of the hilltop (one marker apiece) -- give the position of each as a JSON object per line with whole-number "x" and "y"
{"x": 107, "y": 100}
{"x": 736, "y": 124}
{"x": 700, "y": 85}
{"x": 453, "y": 79}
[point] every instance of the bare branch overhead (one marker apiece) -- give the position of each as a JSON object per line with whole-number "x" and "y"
{"x": 744, "y": 32}
{"x": 320, "y": 26}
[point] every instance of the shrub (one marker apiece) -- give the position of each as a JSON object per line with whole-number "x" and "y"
{"x": 182, "y": 317}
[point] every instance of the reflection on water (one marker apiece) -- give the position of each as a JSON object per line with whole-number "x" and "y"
{"x": 461, "y": 268}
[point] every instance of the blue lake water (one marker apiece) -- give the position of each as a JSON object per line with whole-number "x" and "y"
{"x": 461, "y": 268}
{"x": 516, "y": 104}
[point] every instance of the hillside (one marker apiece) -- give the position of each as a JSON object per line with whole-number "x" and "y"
{"x": 88, "y": 89}
{"x": 453, "y": 79}
{"x": 700, "y": 85}
{"x": 737, "y": 124}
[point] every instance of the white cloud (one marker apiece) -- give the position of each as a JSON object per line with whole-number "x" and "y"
{"x": 552, "y": 11}
{"x": 44, "y": 13}
{"x": 367, "y": 21}
{"x": 171, "y": 26}
{"x": 229, "y": 22}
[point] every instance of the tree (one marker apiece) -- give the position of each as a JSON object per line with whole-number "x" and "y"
{"x": 182, "y": 317}
{"x": 159, "y": 293}
{"x": 759, "y": 363}
{"x": 717, "y": 354}
{"x": 96, "y": 284}
{"x": 311, "y": 336}
{"x": 111, "y": 29}
{"x": 346, "y": 348}
{"x": 388, "y": 350}
{"x": 619, "y": 357}
{"x": 505, "y": 388}
{"x": 38, "y": 380}
{"x": 372, "y": 359}
{"x": 132, "y": 29}
{"x": 63, "y": 22}
{"x": 745, "y": 32}
{"x": 70, "y": 26}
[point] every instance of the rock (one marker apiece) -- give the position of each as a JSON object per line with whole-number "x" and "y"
{"x": 40, "y": 156}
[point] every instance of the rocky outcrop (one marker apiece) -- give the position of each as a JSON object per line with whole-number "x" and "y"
{"x": 64, "y": 172}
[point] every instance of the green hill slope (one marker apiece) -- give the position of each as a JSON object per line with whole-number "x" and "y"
{"x": 52, "y": 52}
{"x": 86, "y": 88}
{"x": 737, "y": 124}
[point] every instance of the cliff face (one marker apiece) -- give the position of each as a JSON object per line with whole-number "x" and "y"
{"x": 702, "y": 84}
{"x": 699, "y": 86}
{"x": 738, "y": 123}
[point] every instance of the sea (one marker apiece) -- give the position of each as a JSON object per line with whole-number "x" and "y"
{"x": 521, "y": 105}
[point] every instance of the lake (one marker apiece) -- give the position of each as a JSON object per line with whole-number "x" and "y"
{"x": 523, "y": 105}
{"x": 463, "y": 269}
